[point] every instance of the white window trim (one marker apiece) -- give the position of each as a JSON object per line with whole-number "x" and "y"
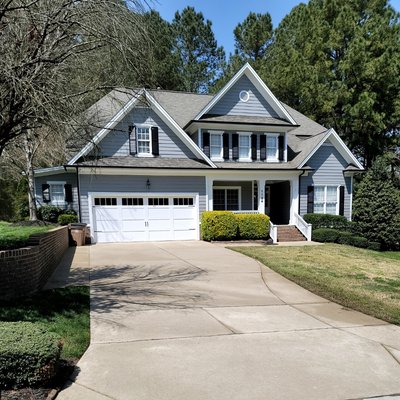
{"x": 220, "y": 158}
{"x": 150, "y": 139}
{"x": 249, "y": 154}
{"x": 238, "y": 188}
{"x": 325, "y": 197}
{"x": 56, "y": 202}
{"x": 276, "y": 136}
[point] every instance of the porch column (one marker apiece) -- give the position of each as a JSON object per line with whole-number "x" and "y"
{"x": 209, "y": 193}
{"x": 294, "y": 198}
{"x": 261, "y": 195}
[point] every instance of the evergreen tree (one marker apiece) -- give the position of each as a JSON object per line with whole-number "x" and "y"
{"x": 201, "y": 59}
{"x": 377, "y": 205}
{"x": 339, "y": 63}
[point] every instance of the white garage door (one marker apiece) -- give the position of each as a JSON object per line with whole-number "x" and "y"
{"x": 139, "y": 218}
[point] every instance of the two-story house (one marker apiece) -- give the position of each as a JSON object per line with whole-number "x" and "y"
{"x": 160, "y": 158}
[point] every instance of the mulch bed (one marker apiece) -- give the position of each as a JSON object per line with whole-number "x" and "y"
{"x": 43, "y": 393}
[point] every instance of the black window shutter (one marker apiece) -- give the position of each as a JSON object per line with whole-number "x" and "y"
{"x": 254, "y": 147}
{"x": 225, "y": 143}
{"x": 263, "y": 147}
{"x": 310, "y": 199}
{"x": 235, "y": 146}
{"x": 132, "y": 139}
{"x": 281, "y": 144}
{"x": 154, "y": 141}
{"x": 46, "y": 192}
{"x": 341, "y": 200}
{"x": 68, "y": 193}
{"x": 206, "y": 143}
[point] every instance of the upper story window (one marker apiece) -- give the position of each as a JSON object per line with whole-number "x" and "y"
{"x": 326, "y": 200}
{"x": 272, "y": 147}
{"x": 143, "y": 139}
{"x": 216, "y": 145}
{"x": 244, "y": 147}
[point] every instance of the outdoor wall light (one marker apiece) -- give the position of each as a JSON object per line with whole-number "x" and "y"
{"x": 148, "y": 184}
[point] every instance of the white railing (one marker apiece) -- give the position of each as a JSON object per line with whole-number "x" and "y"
{"x": 273, "y": 232}
{"x": 303, "y": 226}
{"x": 245, "y": 212}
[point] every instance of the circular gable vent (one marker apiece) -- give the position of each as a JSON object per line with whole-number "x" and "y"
{"x": 244, "y": 96}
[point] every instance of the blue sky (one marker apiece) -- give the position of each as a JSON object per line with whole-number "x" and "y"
{"x": 226, "y": 14}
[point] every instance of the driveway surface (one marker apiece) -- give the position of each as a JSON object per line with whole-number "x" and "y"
{"x": 191, "y": 321}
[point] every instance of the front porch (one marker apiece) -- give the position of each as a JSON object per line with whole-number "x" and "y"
{"x": 277, "y": 197}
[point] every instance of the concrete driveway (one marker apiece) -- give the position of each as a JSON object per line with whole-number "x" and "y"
{"x": 192, "y": 320}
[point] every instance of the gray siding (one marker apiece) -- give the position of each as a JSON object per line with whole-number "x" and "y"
{"x": 131, "y": 184}
{"x": 329, "y": 166}
{"x": 116, "y": 142}
{"x": 62, "y": 177}
{"x": 230, "y": 104}
{"x": 246, "y": 192}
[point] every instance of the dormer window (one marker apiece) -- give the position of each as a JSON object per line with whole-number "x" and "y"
{"x": 143, "y": 138}
{"x": 272, "y": 146}
{"x": 216, "y": 146}
{"x": 244, "y": 147}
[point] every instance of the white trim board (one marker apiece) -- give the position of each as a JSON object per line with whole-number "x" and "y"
{"x": 259, "y": 84}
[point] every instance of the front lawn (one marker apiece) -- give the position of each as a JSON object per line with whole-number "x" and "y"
{"x": 14, "y": 236}
{"x": 365, "y": 280}
{"x": 63, "y": 311}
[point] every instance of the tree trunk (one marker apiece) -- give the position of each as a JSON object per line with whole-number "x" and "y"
{"x": 30, "y": 174}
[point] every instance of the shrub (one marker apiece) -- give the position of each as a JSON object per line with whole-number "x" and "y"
{"x": 252, "y": 226}
{"x": 28, "y": 354}
{"x": 218, "y": 225}
{"x": 345, "y": 238}
{"x": 69, "y": 211}
{"x": 327, "y": 221}
{"x": 325, "y": 235}
{"x": 65, "y": 219}
{"x": 376, "y": 246}
{"x": 50, "y": 213}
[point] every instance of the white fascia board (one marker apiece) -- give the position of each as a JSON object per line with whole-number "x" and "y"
{"x": 259, "y": 84}
{"x": 178, "y": 130}
{"x": 103, "y": 132}
{"x": 339, "y": 145}
{"x": 49, "y": 171}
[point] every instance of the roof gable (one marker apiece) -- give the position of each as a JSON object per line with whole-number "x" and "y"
{"x": 247, "y": 77}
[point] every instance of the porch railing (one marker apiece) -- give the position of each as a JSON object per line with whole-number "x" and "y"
{"x": 273, "y": 232}
{"x": 245, "y": 212}
{"x": 303, "y": 226}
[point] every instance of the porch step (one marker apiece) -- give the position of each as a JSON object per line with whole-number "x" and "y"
{"x": 289, "y": 233}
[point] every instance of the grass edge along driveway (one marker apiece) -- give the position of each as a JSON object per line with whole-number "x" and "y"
{"x": 364, "y": 280}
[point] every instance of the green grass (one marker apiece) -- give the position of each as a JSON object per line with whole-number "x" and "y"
{"x": 12, "y": 236}
{"x": 62, "y": 311}
{"x": 365, "y": 280}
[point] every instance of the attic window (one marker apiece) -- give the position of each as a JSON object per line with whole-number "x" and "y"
{"x": 244, "y": 96}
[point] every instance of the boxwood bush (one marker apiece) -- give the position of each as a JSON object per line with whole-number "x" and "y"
{"x": 65, "y": 219}
{"x": 28, "y": 355}
{"x": 50, "y": 213}
{"x": 325, "y": 235}
{"x": 218, "y": 225}
{"x": 327, "y": 221}
{"x": 252, "y": 226}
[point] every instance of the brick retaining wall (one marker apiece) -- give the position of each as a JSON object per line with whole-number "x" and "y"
{"x": 25, "y": 271}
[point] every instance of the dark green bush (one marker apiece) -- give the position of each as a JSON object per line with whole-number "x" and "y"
{"x": 28, "y": 354}
{"x": 65, "y": 219}
{"x": 325, "y": 235}
{"x": 69, "y": 211}
{"x": 8, "y": 243}
{"x": 50, "y": 213}
{"x": 359, "y": 241}
{"x": 218, "y": 225}
{"x": 345, "y": 237}
{"x": 252, "y": 226}
{"x": 327, "y": 221}
{"x": 376, "y": 246}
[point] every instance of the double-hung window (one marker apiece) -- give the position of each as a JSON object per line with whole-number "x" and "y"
{"x": 143, "y": 138}
{"x": 244, "y": 147}
{"x": 55, "y": 193}
{"x": 226, "y": 198}
{"x": 216, "y": 146}
{"x": 326, "y": 200}
{"x": 272, "y": 147}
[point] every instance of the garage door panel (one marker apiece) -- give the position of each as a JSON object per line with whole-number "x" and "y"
{"x": 160, "y": 225}
{"x": 133, "y": 213}
{"x": 107, "y": 214}
{"x": 159, "y": 235}
{"x": 159, "y": 213}
{"x": 134, "y": 236}
{"x": 108, "y": 226}
{"x": 183, "y": 213}
{"x": 133, "y": 226}
{"x": 108, "y": 237}
{"x": 182, "y": 224}
{"x": 185, "y": 235}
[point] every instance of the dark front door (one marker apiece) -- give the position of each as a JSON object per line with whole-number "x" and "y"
{"x": 279, "y": 202}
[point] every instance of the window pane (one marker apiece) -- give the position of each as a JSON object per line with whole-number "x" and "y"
{"x": 319, "y": 194}
{"x": 215, "y": 151}
{"x": 215, "y": 140}
{"x": 271, "y": 141}
{"x": 57, "y": 192}
{"x": 244, "y": 146}
{"x": 219, "y": 199}
{"x": 331, "y": 194}
{"x": 318, "y": 208}
{"x": 331, "y": 208}
{"x": 232, "y": 199}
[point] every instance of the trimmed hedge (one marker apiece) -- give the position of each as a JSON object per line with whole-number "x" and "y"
{"x": 52, "y": 213}
{"x": 65, "y": 219}
{"x": 225, "y": 225}
{"x": 252, "y": 226}
{"x": 327, "y": 235}
{"x": 327, "y": 221}
{"x": 28, "y": 355}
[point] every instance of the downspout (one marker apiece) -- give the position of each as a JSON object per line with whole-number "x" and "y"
{"x": 79, "y": 194}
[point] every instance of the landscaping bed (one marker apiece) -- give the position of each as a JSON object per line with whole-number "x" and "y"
{"x": 64, "y": 313}
{"x": 364, "y": 280}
